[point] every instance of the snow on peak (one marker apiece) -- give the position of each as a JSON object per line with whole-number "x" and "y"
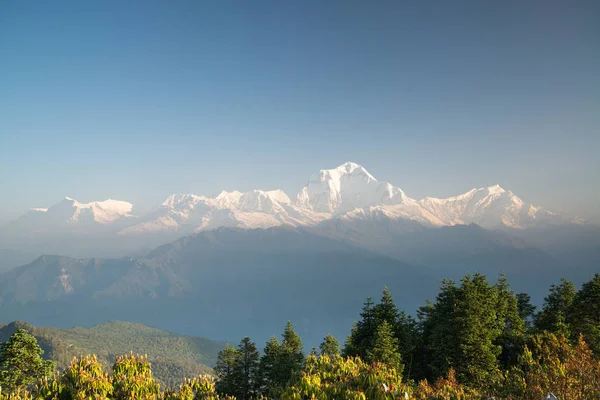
{"x": 346, "y": 187}
{"x": 496, "y": 189}
{"x": 347, "y": 191}
{"x": 181, "y": 200}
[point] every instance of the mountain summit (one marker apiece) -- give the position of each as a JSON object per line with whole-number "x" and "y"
{"x": 348, "y": 192}
{"x": 345, "y": 188}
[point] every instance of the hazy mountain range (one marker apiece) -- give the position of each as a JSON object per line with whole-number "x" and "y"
{"x": 347, "y": 192}
{"x": 245, "y": 263}
{"x": 346, "y": 195}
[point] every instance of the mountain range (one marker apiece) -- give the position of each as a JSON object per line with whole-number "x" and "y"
{"x": 346, "y": 196}
{"x": 346, "y": 192}
{"x": 245, "y": 263}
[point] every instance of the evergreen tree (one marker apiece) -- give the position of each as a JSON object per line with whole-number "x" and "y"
{"x": 330, "y": 346}
{"x": 291, "y": 357}
{"x": 267, "y": 367}
{"x": 351, "y": 345}
{"x": 386, "y": 310}
{"x": 526, "y": 309}
{"x": 245, "y": 369}
{"x": 555, "y": 315}
{"x": 362, "y": 335}
{"x": 225, "y": 370}
{"x": 586, "y": 312}
{"x": 478, "y": 327}
{"x": 21, "y": 363}
{"x": 511, "y": 324}
{"x": 461, "y": 331}
{"x": 385, "y": 348}
{"x": 438, "y": 327}
{"x": 408, "y": 339}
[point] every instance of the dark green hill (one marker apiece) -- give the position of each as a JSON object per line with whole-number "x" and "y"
{"x": 173, "y": 356}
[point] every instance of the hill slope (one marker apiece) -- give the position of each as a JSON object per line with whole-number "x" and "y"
{"x": 173, "y": 356}
{"x": 220, "y": 284}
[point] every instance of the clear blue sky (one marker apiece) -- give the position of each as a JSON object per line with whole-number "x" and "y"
{"x": 135, "y": 100}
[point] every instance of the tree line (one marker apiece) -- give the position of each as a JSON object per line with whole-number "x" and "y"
{"x": 476, "y": 340}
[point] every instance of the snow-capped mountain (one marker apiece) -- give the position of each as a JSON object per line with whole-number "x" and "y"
{"x": 188, "y": 213}
{"x": 69, "y": 214}
{"x": 348, "y": 193}
{"x": 346, "y": 188}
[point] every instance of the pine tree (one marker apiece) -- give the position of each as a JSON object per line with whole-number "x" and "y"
{"x": 386, "y": 310}
{"x": 351, "y": 344}
{"x": 526, "y": 309}
{"x": 586, "y": 312}
{"x": 511, "y": 324}
{"x": 408, "y": 340}
{"x": 291, "y": 357}
{"x": 245, "y": 369}
{"x": 438, "y": 327}
{"x": 385, "y": 348}
{"x": 225, "y": 370}
{"x": 363, "y": 333}
{"x": 478, "y": 327}
{"x": 461, "y": 331}
{"x": 21, "y": 362}
{"x": 555, "y": 315}
{"x": 267, "y": 367}
{"x": 330, "y": 346}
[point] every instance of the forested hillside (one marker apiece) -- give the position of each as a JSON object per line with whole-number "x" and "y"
{"x": 173, "y": 356}
{"x": 477, "y": 340}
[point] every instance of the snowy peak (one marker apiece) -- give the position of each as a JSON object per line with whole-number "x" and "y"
{"x": 265, "y": 201}
{"x": 488, "y": 207}
{"x": 345, "y": 188}
{"x": 347, "y": 192}
{"x": 181, "y": 200}
{"x": 69, "y": 213}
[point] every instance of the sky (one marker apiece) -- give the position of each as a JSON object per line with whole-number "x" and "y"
{"x": 135, "y": 100}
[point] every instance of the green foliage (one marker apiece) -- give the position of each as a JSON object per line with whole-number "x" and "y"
{"x": 386, "y": 309}
{"x": 482, "y": 324}
{"x": 330, "y": 346}
{"x": 173, "y": 356}
{"x": 245, "y": 371}
{"x": 324, "y": 377}
{"x": 362, "y": 334}
{"x": 132, "y": 378}
{"x": 85, "y": 379}
{"x": 586, "y": 312}
{"x": 470, "y": 343}
{"x": 267, "y": 377}
{"x": 225, "y": 370}
{"x": 525, "y": 308}
{"x": 200, "y": 388}
{"x": 511, "y": 323}
{"x": 385, "y": 348}
{"x": 290, "y": 358}
{"x": 555, "y": 315}
{"x": 552, "y": 364}
{"x": 21, "y": 363}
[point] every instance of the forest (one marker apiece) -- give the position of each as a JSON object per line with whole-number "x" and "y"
{"x": 476, "y": 340}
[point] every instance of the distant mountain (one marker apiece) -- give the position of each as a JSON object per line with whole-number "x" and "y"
{"x": 173, "y": 356}
{"x": 227, "y": 282}
{"x": 348, "y": 190}
{"x": 12, "y": 258}
{"x": 220, "y": 284}
{"x": 69, "y": 215}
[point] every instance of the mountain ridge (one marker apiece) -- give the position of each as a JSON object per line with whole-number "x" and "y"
{"x": 347, "y": 191}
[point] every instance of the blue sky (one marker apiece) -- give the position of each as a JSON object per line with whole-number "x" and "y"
{"x": 135, "y": 100}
